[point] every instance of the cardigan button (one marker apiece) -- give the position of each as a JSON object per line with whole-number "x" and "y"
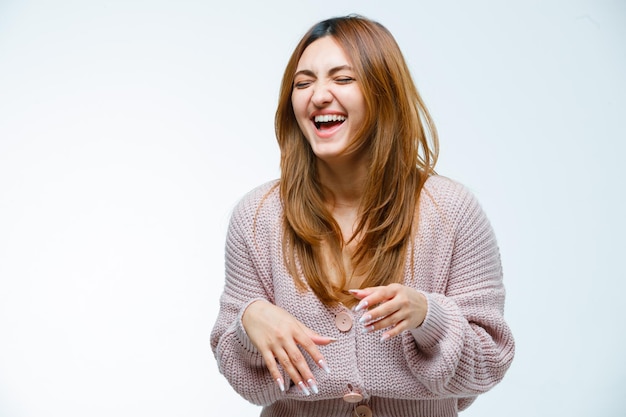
{"x": 343, "y": 321}
{"x": 363, "y": 411}
{"x": 353, "y": 397}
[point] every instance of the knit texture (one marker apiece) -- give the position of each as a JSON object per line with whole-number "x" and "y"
{"x": 462, "y": 349}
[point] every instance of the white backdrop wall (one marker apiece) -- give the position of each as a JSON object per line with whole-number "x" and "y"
{"x": 129, "y": 129}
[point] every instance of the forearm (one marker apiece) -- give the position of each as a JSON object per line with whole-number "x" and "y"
{"x": 453, "y": 355}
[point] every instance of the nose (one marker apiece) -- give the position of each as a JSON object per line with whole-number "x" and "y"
{"x": 322, "y": 95}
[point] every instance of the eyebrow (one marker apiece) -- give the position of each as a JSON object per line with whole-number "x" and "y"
{"x": 330, "y": 72}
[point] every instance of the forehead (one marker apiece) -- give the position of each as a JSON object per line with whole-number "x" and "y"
{"x": 323, "y": 53}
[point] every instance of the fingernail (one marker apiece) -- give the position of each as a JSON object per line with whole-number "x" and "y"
{"x": 313, "y": 386}
{"x": 304, "y": 388}
{"x": 362, "y": 305}
{"x": 367, "y": 329}
{"x": 324, "y": 366}
{"x": 332, "y": 339}
{"x": 281, "y": 384}
{"x": 353, "y": 291}
{"x": 384, "y": 337}
{"x": 365, "y": 318}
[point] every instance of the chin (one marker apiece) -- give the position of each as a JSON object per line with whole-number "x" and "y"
{"x": 328, "y": 153}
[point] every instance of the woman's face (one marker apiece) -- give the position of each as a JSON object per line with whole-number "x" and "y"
{"x": 327, "y": 99}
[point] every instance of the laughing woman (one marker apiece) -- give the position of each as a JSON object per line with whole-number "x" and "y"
{"x": 360, "y": 282}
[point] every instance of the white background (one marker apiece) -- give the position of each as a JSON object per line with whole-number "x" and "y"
{"x": 129, "y": 129}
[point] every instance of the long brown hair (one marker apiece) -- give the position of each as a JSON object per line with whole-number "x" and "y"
{"x": 401, "y": 143}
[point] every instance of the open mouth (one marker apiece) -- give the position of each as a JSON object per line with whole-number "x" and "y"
{"x": 328, "y": 121}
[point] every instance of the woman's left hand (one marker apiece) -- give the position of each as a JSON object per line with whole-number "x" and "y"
{"x": 392, "y": 306}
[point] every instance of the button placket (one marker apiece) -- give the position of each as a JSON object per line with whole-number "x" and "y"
{"x": 344, "y": 322}
{"x": 353, "y": 397}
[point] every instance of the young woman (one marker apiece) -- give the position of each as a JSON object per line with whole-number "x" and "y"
{"x": 359, "y": 283}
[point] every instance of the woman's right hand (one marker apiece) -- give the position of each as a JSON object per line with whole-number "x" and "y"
{"x": 277, "y": 335}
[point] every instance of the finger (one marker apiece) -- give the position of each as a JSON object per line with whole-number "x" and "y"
{"x": 320, "y": 340}
{"x": 289, "y": 367}
{"x": 406, "y": 310}
{"x": 360, "y": 293}
{"x": 272, "y": 367}
{"x": 372, "y": 296}
{"x": 393, "y": 297}
{"x": 394, "y": 331}
{"x": 395, "y": 326}
{"x": 313, "y": 351}
{"x": 377, "y": 323}
{"x": 380, "y": 311}
{"x": 391, "y": 325}
{"x": 299, "y": 371}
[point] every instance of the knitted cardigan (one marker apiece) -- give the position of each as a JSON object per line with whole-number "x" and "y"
{"x": 462, "y": 349}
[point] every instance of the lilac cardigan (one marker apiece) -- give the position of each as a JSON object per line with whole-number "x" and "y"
{"x": 463, "y": 348}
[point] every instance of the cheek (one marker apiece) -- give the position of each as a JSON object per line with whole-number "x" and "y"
{"x": 296, "y": 110}
{"x": 360, "y": 109}
{"x": 298, "y": 103}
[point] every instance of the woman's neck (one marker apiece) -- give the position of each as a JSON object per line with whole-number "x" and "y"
{"x": 344, "y": 184}
{"x": 345, "y": 179}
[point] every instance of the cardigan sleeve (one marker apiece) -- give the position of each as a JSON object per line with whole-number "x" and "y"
{"x": 237, "y": 358}
{"x": 464, "y": 346}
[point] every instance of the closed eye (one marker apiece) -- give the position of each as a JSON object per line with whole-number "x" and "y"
{"x": 301, "y": 84}
{"x": 344, "y": 80}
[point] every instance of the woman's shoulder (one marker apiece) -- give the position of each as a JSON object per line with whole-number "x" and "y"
{"x": 444, "y": 193}
{"x": 445, "y": 187}
{"x": 264, "y": 198}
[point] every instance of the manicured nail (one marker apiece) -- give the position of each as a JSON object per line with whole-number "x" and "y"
{"x": 365, "y": 318}
{"x": 281, "y": 384}
{"x": 332, "y": 339}
{"x": 304, "y": 388}
{"x": 313, "y": 386}
{"x": 384, "y": 337}
{"x": 362, "y": 305}
{"x": 353, "y": 291}
{"x": 367, "y": 329}
{"x": 324, "y": 366}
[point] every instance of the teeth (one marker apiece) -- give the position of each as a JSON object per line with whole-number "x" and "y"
{"x": 329, "y": 118}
